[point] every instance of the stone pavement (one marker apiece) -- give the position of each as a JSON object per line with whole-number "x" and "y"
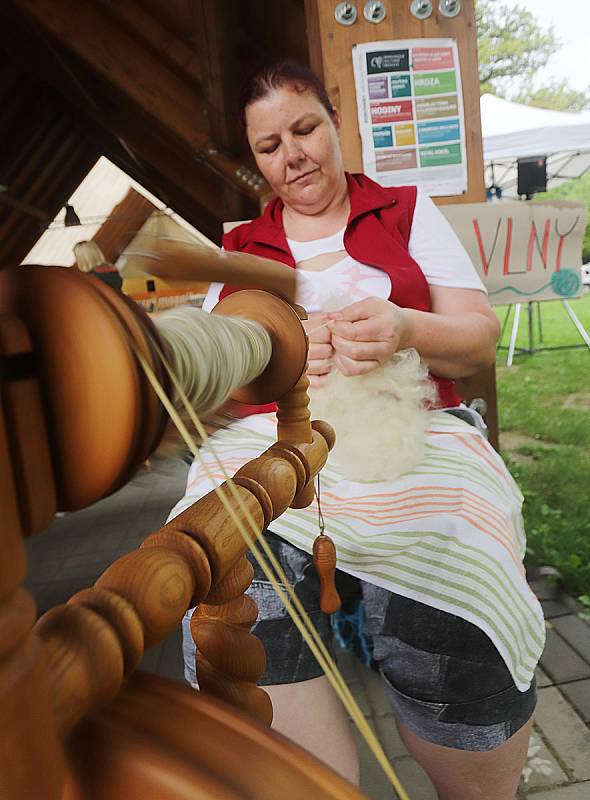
{"x": 77, "y": 547}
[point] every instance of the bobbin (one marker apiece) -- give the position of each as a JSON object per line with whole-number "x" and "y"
{"x": 103, "y": 416}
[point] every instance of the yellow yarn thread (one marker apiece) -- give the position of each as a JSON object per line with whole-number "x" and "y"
{"x": 295, "y": 608}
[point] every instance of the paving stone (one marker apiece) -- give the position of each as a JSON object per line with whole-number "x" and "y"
{"x": 565, "y": 732}
{"x": 560, "y": 661}
{"x": 546, "y": 588}
{"x": 576, "y": 632}
{"x": 359, "y": 693}
{"x": 374, "y": 782}
{"x": 414, "y": 780}
{"x": 54, "y": 593}
{"x": 578, "y": 693}
{"x": 389, "y": 737}
{"x": 376, "y": 691}
{"x": 541, "y": 769}
{"x": 554, "y": 608}
{"x": 578, "y": 791}
{"x": 542, "y": 678}
{"x": 346, "y": 662}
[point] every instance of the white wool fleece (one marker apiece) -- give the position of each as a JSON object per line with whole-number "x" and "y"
{"x": 380, "y": 417}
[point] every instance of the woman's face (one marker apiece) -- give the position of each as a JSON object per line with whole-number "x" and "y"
{"x": 296, "y": 147}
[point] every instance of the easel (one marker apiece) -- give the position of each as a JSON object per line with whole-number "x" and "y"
{"x": 513, "y": 350}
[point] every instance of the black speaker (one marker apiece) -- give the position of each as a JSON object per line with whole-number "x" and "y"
{"x": 532, "y": 175}
{"x": 150, "y": 285}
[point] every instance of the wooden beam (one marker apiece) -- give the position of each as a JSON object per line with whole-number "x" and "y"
{"x": 119, "y": 59}
{"x": 7, "y": 200}
{"x": 215, "y": 27}
{"x": 176, "y": 187}
{"x": 179, "y": 56}
{"x": 19, "y": 232}
{"x": 122, "y": 224}
{"x": 159, "y": 162}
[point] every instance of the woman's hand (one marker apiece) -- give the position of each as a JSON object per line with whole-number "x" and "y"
{"x": 321, "y": 353}
{"x": 367, "y": 334}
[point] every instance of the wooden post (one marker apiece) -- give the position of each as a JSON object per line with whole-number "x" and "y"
{"x": 330, "y": 49}
{"x": 31, "y": 758}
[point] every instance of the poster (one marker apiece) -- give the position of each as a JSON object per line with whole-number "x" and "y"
{"x": 410, "y": 110}
{"x": 523, "y": 251}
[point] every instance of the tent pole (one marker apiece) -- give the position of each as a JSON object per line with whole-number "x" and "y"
{"x": 577, "y": 323}
{"x": 539, "y": 322}
{"x": 513, "y": 334}
{"x": 530, "y": 311}
{"x": 505, "y": 322}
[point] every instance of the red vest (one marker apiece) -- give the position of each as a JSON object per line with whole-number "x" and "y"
{"x": 377, "y": 233}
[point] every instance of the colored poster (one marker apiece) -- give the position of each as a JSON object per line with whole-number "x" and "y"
{"x": 400, "y": 86}
{"x": 383, "y": 136}
{"x": 378, "y": 88}
{"x": 444, "y": 131}
{"x": 387, "y": 61}
{"x": 434, "y": 83}
{"x": 404, "y": 135}
{"x": 397, "y": 111}
{"x": 436, "y": 156}
{"x": 410, "y": 111}
{"x": 437, "y": 107}
{"x": 391, "y": 160}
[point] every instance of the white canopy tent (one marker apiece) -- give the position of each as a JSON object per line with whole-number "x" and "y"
{"x": 512, "y": 131}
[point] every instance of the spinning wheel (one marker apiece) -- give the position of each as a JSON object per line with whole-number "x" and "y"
{"x": 77, "y": 417}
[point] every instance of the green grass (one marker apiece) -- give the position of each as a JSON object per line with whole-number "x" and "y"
{"x": 544, "y": 407}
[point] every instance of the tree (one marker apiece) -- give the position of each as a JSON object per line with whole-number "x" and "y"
{"x": 557, "y": 95}
{"x": 512, "y": 48}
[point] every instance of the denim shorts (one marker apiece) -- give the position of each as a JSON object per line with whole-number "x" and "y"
{"x": 444, "y": 678}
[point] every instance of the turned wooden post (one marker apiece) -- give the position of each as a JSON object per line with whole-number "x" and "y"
{"x": 230, "y": 659}
{"x": 32, "y": 762}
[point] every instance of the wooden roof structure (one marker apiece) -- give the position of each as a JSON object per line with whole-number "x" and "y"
{"x": 151, "y": 85}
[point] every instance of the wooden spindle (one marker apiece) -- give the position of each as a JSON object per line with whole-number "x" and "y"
{"x": 230, "y": 659}
{"x": 207, "y": 523}
{"x": 293, "y": 415}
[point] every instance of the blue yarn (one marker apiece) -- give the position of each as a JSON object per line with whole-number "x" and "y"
{"x": 348, "y": 627}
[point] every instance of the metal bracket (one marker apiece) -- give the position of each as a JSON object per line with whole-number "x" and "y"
{"x": 374, "y": 11}
{"x": 345, "y": 13}
{"x": 421, "y": 9}
{"x": 449, "y": 8}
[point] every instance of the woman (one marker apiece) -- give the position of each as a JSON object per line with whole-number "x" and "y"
{"x": 456, "y": 631}
{"x": 90, "y": 259}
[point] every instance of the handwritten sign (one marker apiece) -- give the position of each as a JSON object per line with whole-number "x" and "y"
{"x": 523, "y": 251}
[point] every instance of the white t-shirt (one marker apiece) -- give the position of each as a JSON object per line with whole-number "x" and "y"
{"x": 433, "y": 244}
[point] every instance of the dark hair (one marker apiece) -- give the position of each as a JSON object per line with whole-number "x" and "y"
{"x": 277, "y": 75}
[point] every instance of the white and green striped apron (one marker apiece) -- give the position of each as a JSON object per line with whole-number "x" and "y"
{"x": 449, "y": 533}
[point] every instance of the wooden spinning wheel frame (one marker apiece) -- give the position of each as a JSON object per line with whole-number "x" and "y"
{"x": 70, "y": 729}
